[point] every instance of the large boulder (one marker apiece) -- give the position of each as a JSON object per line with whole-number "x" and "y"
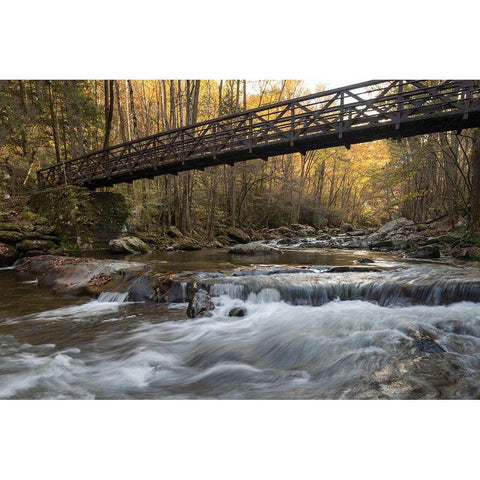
{"x": 395, "y": 225}
{"x": 255, "y": 248}
{"x": 128, "y": 245}
{"x": 81, "y": 218}
{"x": 174, "y": 232}
{"x": 238, "y": 235}
{"x": 200, "y": 304}
{"x": 8, "y": 255}
{"x": 347, "y": 227}
{"x": 80, "y": 276}
{"x": 187, "y": 244}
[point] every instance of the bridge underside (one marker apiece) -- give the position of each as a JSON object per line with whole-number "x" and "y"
{"x": 455, "y": 122}
{"x": 342, "y": 117}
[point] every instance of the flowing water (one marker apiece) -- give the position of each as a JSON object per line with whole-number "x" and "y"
{"x": 406, "y": 330}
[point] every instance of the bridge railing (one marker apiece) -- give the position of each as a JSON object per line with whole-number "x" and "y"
{"x": 332, "y": 112}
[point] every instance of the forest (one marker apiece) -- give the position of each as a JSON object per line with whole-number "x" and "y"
{"x": 422, "y": 178}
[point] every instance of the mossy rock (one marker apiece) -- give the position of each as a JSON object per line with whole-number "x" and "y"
{"x": 10, "y": 227}
{"x": 187, "y": 244}
{"x": 37, "y": 245}
{"x": 128, "y": 245}
{"x": 12, "y": 237}
{"x": 38, "y": 236}
{"x": 82, "y": 217}
{"x": 238, "y": 235}
{"x": 46, "y": 230}
{"x": 174, "y": 232}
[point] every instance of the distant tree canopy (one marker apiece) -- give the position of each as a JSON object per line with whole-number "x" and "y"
{"x": 45, "y": 122}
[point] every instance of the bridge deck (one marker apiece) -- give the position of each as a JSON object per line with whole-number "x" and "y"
{"x": 353, "y": 114}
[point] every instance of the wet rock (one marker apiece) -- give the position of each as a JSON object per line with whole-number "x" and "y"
{"x": 128, "y": 245}
{"x": 427, "y": 345}
{"x": 80, "y": 276}
{"x": 365, "y": 260}
{"x": 350, "y": 269}
{"x": 347, "y": 227}
{"x": 8, "y": 255}
{"x": 174, "y": 232}
{"x": 161, "y": 287}
{"x": 424, "y": 252}
{"x": 255, "y": 248}
{"x": 11, "y": 237}
{"x": 237, "y": 312}
{"x": 187, "y": 244}
{"x": 200, "y": 304}
{"x": 238, "y": 235}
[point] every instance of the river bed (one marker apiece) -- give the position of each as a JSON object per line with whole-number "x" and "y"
{"x": 410, "y": 330}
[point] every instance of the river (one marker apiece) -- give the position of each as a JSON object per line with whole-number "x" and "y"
{"x": 410, "y": 330}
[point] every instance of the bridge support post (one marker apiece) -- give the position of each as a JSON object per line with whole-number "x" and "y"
{"x": 83, "y": 218}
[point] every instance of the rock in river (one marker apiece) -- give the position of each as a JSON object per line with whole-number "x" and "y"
{"x": 237, "y": 312}
{"x": 128, "y": 245}
{"x": 255, "y": 248}
{"x": 200, "y": 304}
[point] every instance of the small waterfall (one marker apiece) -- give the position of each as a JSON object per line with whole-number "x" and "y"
{"x": 383, "y": 288}
{"x": 112, "y": 297}
{"x": 184, "y": 291}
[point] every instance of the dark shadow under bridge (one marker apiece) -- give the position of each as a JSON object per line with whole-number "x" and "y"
{"x": 343, "y": 116}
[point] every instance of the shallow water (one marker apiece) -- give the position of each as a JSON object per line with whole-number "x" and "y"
{"x": 407, "y": 331}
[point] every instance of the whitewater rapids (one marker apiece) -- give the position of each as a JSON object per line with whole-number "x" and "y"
{"x": 337, "y": 349}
